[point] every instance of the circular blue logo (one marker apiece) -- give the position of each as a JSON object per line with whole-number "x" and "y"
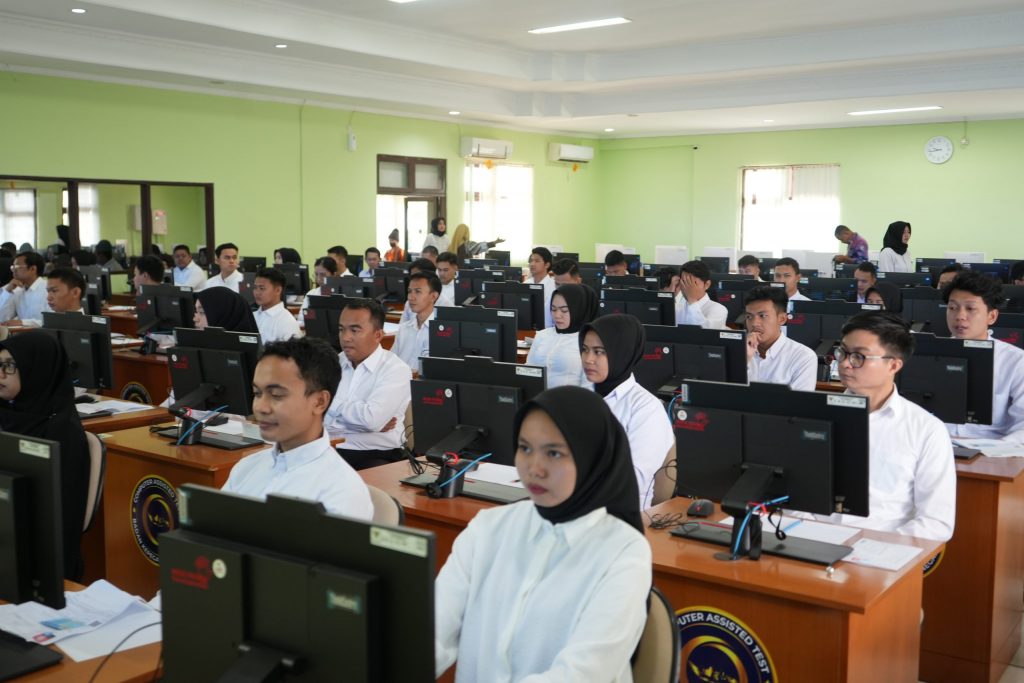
{"x": 154, "y": 511}
{"x": 716, "y": 646}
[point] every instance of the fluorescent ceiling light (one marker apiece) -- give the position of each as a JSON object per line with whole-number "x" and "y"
{"x": 402, "y": 2}
{"x": 609, "y": 130}
{"x": 281, "y": 46}
{"x": 871, "y": 112}
{"x": 769, "y": 120}
{"x": 78, "y": 10}
{"x": 596, "y": 23}
{"x": 454, "y": 113}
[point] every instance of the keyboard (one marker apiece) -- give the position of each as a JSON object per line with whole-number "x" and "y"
{"x": 19, "y": 657}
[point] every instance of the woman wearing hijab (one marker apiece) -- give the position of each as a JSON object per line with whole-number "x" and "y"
{"x": 286, "y": 255}
{"x": 225, "y": 309}
{"x": 553, "y": 588}
{"x": 438, "y": 236}
{"x": 37, "y": 399}
{"x": 610, "y": 347}
{"x": 894, "y": 257}
{"x": 465, "y": 248}
{"x": 557, "y": 348}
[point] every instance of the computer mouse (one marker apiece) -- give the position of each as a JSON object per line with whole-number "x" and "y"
{"x": 701, "y": 507}
{"x": 85, "y": 398}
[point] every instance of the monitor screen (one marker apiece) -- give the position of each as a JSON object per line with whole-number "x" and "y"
{"x": 571, "y": 255}
{"x": 1009, "y": 328}
{"x": 731, "y": 294}
{"x": 650, "y": 308}
{"x": 1013, "y": 296}
{"x": 480, "y": 262}
{"x": 469, "y": 283}
{"x": 503, "y": 258}
{"x": 925, "y": 310}
{"x": 281, "y": 590}
{"x": 163, "y": 308}
{"x": 768, "y": 268}
{"x": 390, "y": 284}
{"x": 673, "y": 354}
{"x": 818, "y": 324}
{"x": 251, "y": 264}
{"x": 717, "y": 264}
{"x": 999, "y": 271}
{"x": 830, "y": 288}
{"x": 950, "y": 378}
{"x": 630, "y": 282}
{"x": 86, "y": 339}
{"x": 296, "y": 277}
{"x": 457, "y": 332}
{"x": 527, "y": 300}
{"x": 906, "y": 279}
{"x": 633, "y": 264}
{"x": 322, "y": 315}
{"x": 212, "y": 369}
{"x": 509, "y": 273}
{"x": 98, "y": 276}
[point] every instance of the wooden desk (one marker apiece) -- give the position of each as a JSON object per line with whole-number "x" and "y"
{"x": 123, "y": 299}
{"x": 972, "y": 597}
{"x": 123, "y": 322}
{"x": 115, "y": 423}
{"x": 140, "y": 378}
{"x": 830, "y": 386}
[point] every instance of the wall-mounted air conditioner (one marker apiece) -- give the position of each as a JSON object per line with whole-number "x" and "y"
{"x": 482, "y": 148}
{"x": 558, "y": 151}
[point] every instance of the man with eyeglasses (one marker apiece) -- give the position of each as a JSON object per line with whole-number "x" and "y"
{"x": 912, "y": 477}
{"x": 23, "y": 299}
{"x": 772, "y": 356}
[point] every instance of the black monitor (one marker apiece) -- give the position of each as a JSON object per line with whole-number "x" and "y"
{"x": 734, "y": 277}
{"x": 469, "y": 283}
{"x": 31, "y": 522}
{"x": 746, "y": 444}
{"x": 630, "y": 282}
{"x": 818, "y": 324}
{"x": 999, "y": 271}
{"x": 1013, "y": 298}
{"x": 652, "y": 268}
{"x": 731, "y": 294}
{"x": 932, "y": 266}
{"x": 163, "y": 308}
{"x": 925, "y": 310}
{"x": 673, "y": 354}
{"x": 1009, "y": 328}
{"x": 950, "y": 378}
{"x": 322, "y": 315}
{"x": 906, "y": 279}
{"x": 357, "y": 287}
{"x": 504, "y": 258}
{"x": 296, "y": 277}
{"x": 92, "y": 299}
{"x": 6, "y": 274}
{"x": 592, "y": 275}
{"x": 509, "y": 273}
{"x": 846, "y": 269}
{"x": 245, "y": 288}
{"x": 633, "y": 264}
{"x": 252, "y": 264}
{"x": 281, "y": 590}
{"x": 100, "y": 277}
{"x": 830, "y": 288}
{"x": 717, "y": 264}
{"x": 767, "y": 266}
{"x": 391, "y": 284}
{"x": 527, "y": 300}
{"x": 86, "y": 339}
{"x": 467, "y": 406}
{"x": 650, "y": 308}
{"x": 571, "y": 255}
{"x": 809, "y": 273}
{"x": 354, "y": 264}
{"x": 479, "y": 262}
{"x": 460, "y": 331}
{"x": 1007, "y": 261}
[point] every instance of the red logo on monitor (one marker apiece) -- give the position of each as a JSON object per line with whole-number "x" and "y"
{"x": 198, "y": 577}
{"x": 798, "y": 319}
{"x": 697, "y": 422}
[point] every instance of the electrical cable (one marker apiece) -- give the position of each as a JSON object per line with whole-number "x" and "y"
{"x": 751, "y": 509}
{"x": 196, "y": 423}
{"x": 118, "y": 646}
{"x": 465, "y": 469}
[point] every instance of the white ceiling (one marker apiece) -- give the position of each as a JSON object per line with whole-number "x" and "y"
{"x": 682, "y": 67}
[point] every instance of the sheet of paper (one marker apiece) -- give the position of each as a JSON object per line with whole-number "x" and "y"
{"x": 891, "y": 556}
{"x": 89, "y": 408}
{"x": 117, "y": 406}
{"x": 818, "y": 531}
{"x": 120, "y": 308}
{"x": 994, "y": 448}
{"x": 391, "y": 328}
{"x": 101, "y": 641}
{"x": 233, "y": 427}
{"x": 496, "y": 474}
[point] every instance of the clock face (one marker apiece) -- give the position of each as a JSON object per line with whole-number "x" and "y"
{"x": 938, "y": 150}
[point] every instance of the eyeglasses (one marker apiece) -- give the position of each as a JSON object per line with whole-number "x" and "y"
{"x": 856, "y": 358}
{"x": 18, "y": 266}
{"x": 9, "y": 367}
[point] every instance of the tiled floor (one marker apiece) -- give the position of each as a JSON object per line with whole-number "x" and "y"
{"x": 1015, "y": 672}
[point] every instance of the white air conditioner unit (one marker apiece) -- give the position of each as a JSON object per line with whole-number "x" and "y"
{"x": 558, "y": 151}
{"x": 482, "y": 148}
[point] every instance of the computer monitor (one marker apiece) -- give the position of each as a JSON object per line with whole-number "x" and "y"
{"x": 86, "y": 340}
{"x": 509, "y": 273}
{"x": 630, "y": 282}
{"x": 6, "y": 274}
{"x": 741, "y": 445}
{"x": 163, "y": 308}
{"x": 634, "y": 266}
{"x": 527, "y": 300}
{"x": 846, "y": 269}
{"x": 92, "y": 299}
{"x": 733, "y": 277}
{"x": 469, "y": 283}
{"x": 31, "y": 522}
{"x": 925, "y": 310}
{"x": 592, "y": 275}
{"x": 652, "y": 268}
{"x": 818, "y": 324}
{"x": 1007, "y": 261}
{"x": 906, "y": 279}
{"x": 673, "y": 354}
{"x": 460, "y": 331}
{"x": 281, "y": 590}
{"x": 296, "y": 276}
{"x": 829, "y": 288}
{"x": 731, "y": 294}
{"x": 950, "y": 378}
{"x": 322, "y": 315}
{"x": 1009, "y": 328}
{"x": 571, "y": 255}
{"x": 100, "y": 277}
{"x": 251, "y": 264}
{"x": 479, "y": 262}
{"x": 768, "y": 268}
{"x": 246, "y": 287}
{"x": 932, "y": 266}
{"x": 468, "y": 406}
{"x": 999, "y": 271}
{"x": 354, "y": 263}
{"x": 504, "y": 258}
{"x": 391, "y": 284}
{"x": 717, "y": 264}
{"x": 809, "y": 272}
{"x": 1013, "y": 298}
{"x": 357, "y": 287}
{"x": 650, "y": 308}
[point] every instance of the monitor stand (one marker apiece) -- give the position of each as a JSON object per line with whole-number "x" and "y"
{"x": 793, "y": 548}
{"x": 228, "y": 442}
{"x": 481, "y": 490}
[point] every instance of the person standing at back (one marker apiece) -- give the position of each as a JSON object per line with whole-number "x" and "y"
{"x": 856, "y": 246}
{"x": 438, "y": 236}
{"x": 540, "y": 265}
{"x": 895, "y": 255}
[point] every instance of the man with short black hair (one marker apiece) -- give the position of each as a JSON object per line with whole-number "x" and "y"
{"x": 947, "y": 274}
{"x": 272, "y": 318}
{"x": 565, "y": 271}
{"x": 23, "y": 299}
{"x": 105, "y": 257}
{"x": 186, "y": 273}
{"x": 340, "y": 256}
{"x": 787, "y": 271}
{"x": 856, "y": 246}
{"x": 615, "y": 263}
{"x": 420, "y": 265}
{"x": 693, "y": 305}
{"x": 447, "y": 264}
{"x": 772, "y": 356}
{"x": 429, "y": 252}
{"x": 148, "y": 270}
{"x": 65, "y": 288}
{"x": 371, "y": 262}
{"x": 293, "y": 386}
{"x": 749, "y": 264}
{"x": 668, "y": 279}
{"x": 540, "y": 274}
{"x": 227, "y": 260}
{"x": 866, "y": 276}
{"x": 413, "y": 338}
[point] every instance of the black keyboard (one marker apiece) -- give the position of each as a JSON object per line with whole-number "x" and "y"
{"x": 19, "y": 657}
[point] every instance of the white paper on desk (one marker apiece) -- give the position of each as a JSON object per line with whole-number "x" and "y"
{"x": 116, "y": 406}
{"x": 506, "y": 475}
{"x": 124, "y": 341}
{"x": 891, "y": 556}
{"x": 993, "y": 448}
{"x": 120, "y": 308}
{"x": 808, "y": 529}
{"x": 101, "y": 641}
{"x": 391, "y": 328}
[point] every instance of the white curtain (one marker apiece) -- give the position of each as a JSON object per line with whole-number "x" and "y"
{"x": 790, "y": 207}
{"x": 499, "y": 203}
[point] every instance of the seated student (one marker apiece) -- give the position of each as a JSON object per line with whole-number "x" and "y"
{"x": 220, "y": 307}
{"x": 105, "y": 257}
{"x": 1017, "y": 273}
{"x": 340, "y": 256}
{"x": 565, "y": 271}
{"x": 557, "y": 348}
{"x": 148, "y": 270}
{"x": 693, "y": 305}
{"x": 65, "y": 288}
{"x": 912, "y": 483}
{"x": 873, "y": 296}
{"x": 186, "y": 272}
{"x": 324, "y": 268}
{"x": 24, "y": 297}
{"x": 749, "y": 265}
{"x": 540, "y": 265}
{"x": 272, "y": 318}
{"x": 227, "y": 259}
{"x": 615, "y": 263}
{"x": 369, "y": 408}
{"x": 37, "y": 399}
{"x": 866, "y": 276}
{"x": 972, "y": 306}
{"x": 787, "y": 271}
{"x": 610, "y": 347}
{"x": 553, "y": 588}
{"x": 856, "y": 246}
{"x": 895, "y": 257}
{"x": 395, "y": 253}
{"x": 947, "y": 274}
{"x": 293, "y": 386}
{"x": 371, "y": 262}
{"x": 668, "y": 280}
{"x": 81, "y": 257}
{"x": 420, "y": 265}
{"x": 287, "y": 255}
{"x": 772, "y": 356}
{"x": 413, "y": 338}
{"x": 447, "y": 264}
{"x": 429, "y": 252}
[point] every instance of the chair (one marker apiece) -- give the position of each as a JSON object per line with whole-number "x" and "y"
{"x": 386, "y": 510}
{"x": 97, "y": 475}
{"x": 665, "y": 478}
{"x": 656, "y": 659}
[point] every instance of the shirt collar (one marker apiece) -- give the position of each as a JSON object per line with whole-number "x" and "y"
{"x": 624, "y": 387}
{"x": 274, "y": 310}
{"x": 371, "y": 362}
{"x": 572, "y": 531}
{"x": 893, "y": 404}
{"x": 302, "y": 455}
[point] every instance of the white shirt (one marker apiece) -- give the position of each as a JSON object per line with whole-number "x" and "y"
{"x": 440, "y": 242}
{"x": 912, "y": 485}
{"x": 365, "y": 272}
{"x": 276, "y": 323}
{"x": 520, "y": 599}
{"x": 709, "y": 314}
{"x": 24, "y": 304}
{"x": 190, "y": 276}
{"x": 1007, "y": 398}
{"x": 785, "y": 362}
{"x": 407, "y": 314}
{"x": 549, "y": 289}
{"x": 313, "y": 471}
{"x": 231, "y": 282}
{"x": 891, "y": 262}
{"x": 789, "y": 306}
{"x": 560, "y": 354}
{"x": 447, "y": 297}
{"x": 648, "y": 429}
{"x": 300, "y": 317}
{"x": 367, "y": 398}
{"x": 413, "y": 341}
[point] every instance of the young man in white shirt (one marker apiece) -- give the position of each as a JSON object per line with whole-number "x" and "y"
{"x": 787, "y": 271}
{"x": 947, "y": 274}
{"x": 540, "y": 265}
{"x": 972, "y": 306}
{"x": 227, "y": 260}
{"x": 340, "y": 256}
{"x": 368, "y": 410}
{"x": 866, "y": 276}
{"x": 24, "y": 297}
{"x": 912, "y": 485}
{"x": 615, "y": 263}
{"x": 447, "y": 270}
{"x": 65, "y": 288}
{"x": 420, "y": 265}
{"x": 371, "y": 262}
{"x": 749, "y": 265}
{"x": 565, "y": 271}
{"x": 272, "y": 318}
{"x": 693, "y": 305}
{"x": 772, "y": 356}
{"x": 148, "y": 270}
{"x": 293, "y": 386}
{"x": 186, "y": 272}
{"x": 413, "y": 338}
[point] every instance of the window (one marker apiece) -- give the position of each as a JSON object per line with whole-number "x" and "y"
{"x": 499, "y": 203}
{"x": 88, "y": 213}
{"x": 790, "y": 207}
{"x": 18, "y": 216}
{"x": 410, "y": 175}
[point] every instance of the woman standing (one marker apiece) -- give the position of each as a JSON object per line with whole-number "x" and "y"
{"x": 557, "y": 348}
{"x": 465, "y": 248}
{"x": 437, "y": 237}
{"x": 895, "y": 257}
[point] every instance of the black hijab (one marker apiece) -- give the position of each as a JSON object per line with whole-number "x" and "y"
{"x": 582, "y": 303}
{"x": 623, "y": 338}
{"x": 894, "y": 237}
{"x": 289, "y": 255}
{"x": 224, "y": 308}
{"x": 600, "y": 449}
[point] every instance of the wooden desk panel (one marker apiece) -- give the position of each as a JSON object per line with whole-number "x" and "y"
{"x": 123, "y": 322}
{"x": 140, "y": 378}
{"x": 115, "y": 423}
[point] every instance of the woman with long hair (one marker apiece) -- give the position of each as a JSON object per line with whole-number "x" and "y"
{"x": 465, "y": 248}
